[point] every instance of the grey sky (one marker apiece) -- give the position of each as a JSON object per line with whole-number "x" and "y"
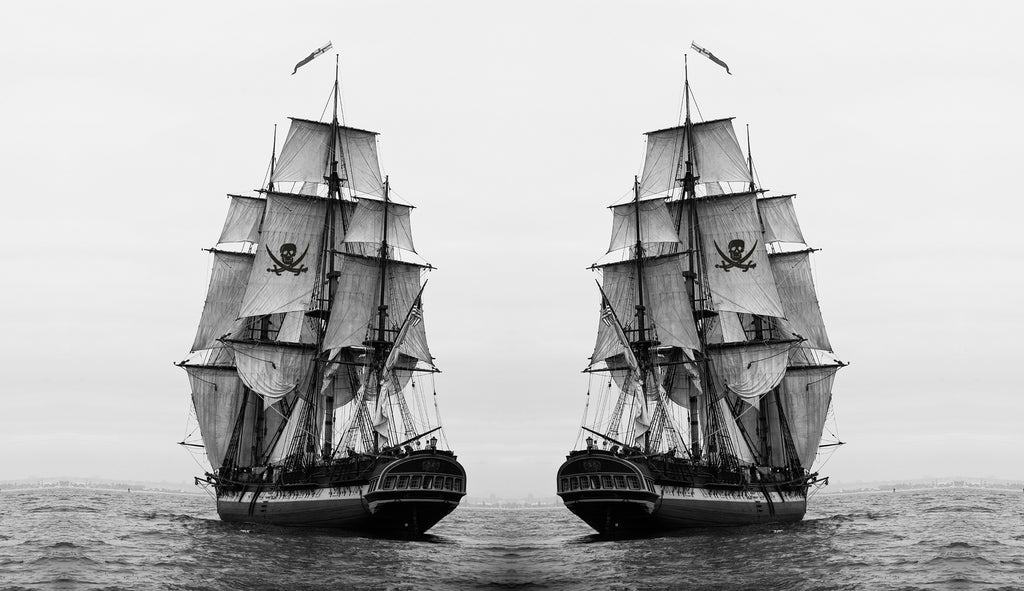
{"x": 511, "y": 126}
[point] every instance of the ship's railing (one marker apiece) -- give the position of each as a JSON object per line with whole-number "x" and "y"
{"x": 419, "y": 482}
{"x": 604, "y": 482}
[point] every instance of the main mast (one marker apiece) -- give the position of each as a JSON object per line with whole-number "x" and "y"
{"x": 696, "y": 290}
{"x": 333, "y": 193}
{"x": 641, "y": 344}
{"x": 381, "y": 345}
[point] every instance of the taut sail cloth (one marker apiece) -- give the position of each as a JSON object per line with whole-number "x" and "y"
{"x": 224, "y": 298}
{"x": 367, "y": 225}
{"x": 666, "y": 300}
{"x": 357, "y": 296}
{"x": 717, "y": 157}
{"x": 778, "y": 218}
{"x": 738, "y": 271}
{"x": 656, "y": 225}
{"x": 805, "y": 394}
{"x": 243, "y": 220}
{"x": 309, "y": 149}
{"x": 284, "y": 272}
{"x": 796, "y": 286}
{"x": 217, "y": 394}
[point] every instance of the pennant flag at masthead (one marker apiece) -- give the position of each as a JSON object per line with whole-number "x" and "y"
{"x": 311, "y": 56}
{"x": 710, "y": 56}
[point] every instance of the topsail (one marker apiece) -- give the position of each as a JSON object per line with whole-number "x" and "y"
{"x": 311, "y": 147}
{"x": 717, "y": 157}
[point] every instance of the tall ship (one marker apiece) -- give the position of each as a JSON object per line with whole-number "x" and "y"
{"x": 311, "y": 377}
{"x": 711, "y": 378}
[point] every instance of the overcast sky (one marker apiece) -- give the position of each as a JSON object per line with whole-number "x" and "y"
{"x": 511, "y": 126}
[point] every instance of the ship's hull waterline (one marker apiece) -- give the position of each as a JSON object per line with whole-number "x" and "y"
{"x": 404, "y": 497}
{"x": 637, "y": 503}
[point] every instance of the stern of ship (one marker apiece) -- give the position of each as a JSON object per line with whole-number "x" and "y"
{"x": 411, "y": 494}
{"x": 613, "y": 494}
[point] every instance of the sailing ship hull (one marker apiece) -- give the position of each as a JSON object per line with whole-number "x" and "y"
{"x": 624, "y": 497}
{"x": 406, "y": 496}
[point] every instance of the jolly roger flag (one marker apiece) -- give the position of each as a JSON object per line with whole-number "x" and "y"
{"x": 283, "y": 273}
{"x": 738, "y": 270}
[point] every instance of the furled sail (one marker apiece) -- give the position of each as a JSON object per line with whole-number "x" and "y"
{"x": 738, "y": 271}
{"x": 367, "y": 225}
{"x": 778, "y": 219}
{"x": 227, "y": 285}
{"x": 796, "y": 287}
{"x": 749, "y": 370}
{"x": 717, "y": 157}
{"x": 655, "y": 224}
{"x": 217, "y": 394}
{"x": 307, "y": 152}
{"x": 805, "y": 394}
{"x": 273, "y": 371}
{"x": 284, "y": 272}
{"x": 243, "y": 220}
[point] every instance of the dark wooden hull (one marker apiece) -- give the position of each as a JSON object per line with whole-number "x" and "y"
{"x": 405, "y": 496}
{"x": 647, "y": 504}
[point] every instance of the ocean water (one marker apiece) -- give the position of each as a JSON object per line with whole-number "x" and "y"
{"x": 926, "y": 539}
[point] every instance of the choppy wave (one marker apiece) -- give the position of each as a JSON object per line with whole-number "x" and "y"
{"x": 83, "y": 539}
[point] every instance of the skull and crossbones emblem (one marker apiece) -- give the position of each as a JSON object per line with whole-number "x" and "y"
{"x": 287, "y": 262}
{"x": 736, "y": 258}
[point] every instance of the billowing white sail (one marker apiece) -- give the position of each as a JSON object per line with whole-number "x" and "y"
{"x": 749, "y": 370}
{"x": 227, "y": 285}
{"x": 355, "y": 302}
{"x": 668, "y": 302}
{"x": 737, "y": 268}
{"x": 805, "y": 395}
{"x": 285, "y": 270}
{"x": 796, "y": 287}
{"x": 243, "y": 220}
{"x": 217, "y": 396}
{"x": 655, "y": 224}
{"x": 306, "y": 157}
{"x": 367, "y": 224}
{"x": 273, "y": 371}
{"x": 778, "y": 218}
{"x": 717, "y": 157}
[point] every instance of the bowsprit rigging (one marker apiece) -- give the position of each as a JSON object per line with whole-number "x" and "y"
{"x": 308, "y": 367}
{"x": 711, "y": 344}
